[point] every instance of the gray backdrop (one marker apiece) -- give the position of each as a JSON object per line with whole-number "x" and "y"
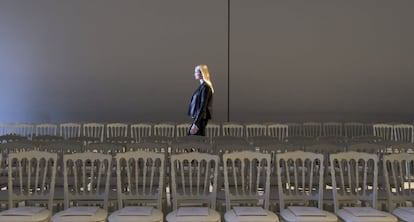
{"x": 133, "y": 60}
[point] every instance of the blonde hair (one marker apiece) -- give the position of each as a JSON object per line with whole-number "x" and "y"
{"x": 206, "y": 75}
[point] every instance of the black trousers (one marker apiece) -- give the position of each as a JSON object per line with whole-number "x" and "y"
{"x": 201, "y": 128}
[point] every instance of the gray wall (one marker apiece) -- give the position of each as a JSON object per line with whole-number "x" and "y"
{"x": 134, "y": 60}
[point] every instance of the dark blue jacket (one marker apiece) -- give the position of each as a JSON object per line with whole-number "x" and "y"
{"x": 201, "y": 104}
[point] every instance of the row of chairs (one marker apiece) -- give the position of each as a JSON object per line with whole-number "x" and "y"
{"x": 122, "y": 132}
{"x": 195, "y": 186}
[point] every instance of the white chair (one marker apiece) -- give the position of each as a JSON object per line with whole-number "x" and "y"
{"x": 255, "y": 131}
{"x": 86, "y": 187}
{"x": 279, "y": 131}
{"x": 294, "y": 129}
{"x": 22, "y": 130}
{"x": 93, "y": 132}
{"x": 182, "y": 129}
{"x": 31, "y": 181}
{"x": 399, "y": 177}
{"x": 163, "y": 133}
{"x": 140, "y": 184}
{"x": 70, "y": 130}
{"x": 332, "y": 129}
{"x": 117, "y": 133}
{"x": 301, "y": 185}
{"x": 212, "y": 131}
{"x": 247, "y": 186}
{"x": 312, "y": 129}
{"x": 355, "y": 129}
{"x": 233, "y": 129}
{"x": 404, "y": 133}
{"x": 194, "y": 187}
{"x": 354, "y": 184}
{"x": 385, "y": 131}
{"x": 46, "y": 129}
{"x": 140, "y": 130}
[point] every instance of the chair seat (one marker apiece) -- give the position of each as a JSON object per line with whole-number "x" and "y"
{"x": 404, "y": 214}
{"x": 155, "y": 216}
{"x": 231, "y": 216}
{"x": 99, "y": 216}
{"x": 41, "y": 216}
{"x": 288, "y": 216}
{"x": 213, "y": 216}
{"x": 348, "y": 217}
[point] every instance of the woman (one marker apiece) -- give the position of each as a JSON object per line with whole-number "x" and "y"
{"x": 201, "y": 102}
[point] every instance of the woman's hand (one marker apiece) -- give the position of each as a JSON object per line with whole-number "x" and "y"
{"x": 194, "y": 129}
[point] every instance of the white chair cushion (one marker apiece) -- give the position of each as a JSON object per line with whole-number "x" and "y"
{"x": 348, "y": 217}
{"x": 156, "y": 215}
{"x": 43, "y": 215}
{"x": 231, "y": 216}
{"x": 404, "y": 214}
{"x": 213, "y": 216}
{"x": 289, "y": 216}
{"x": 100, "y": 215}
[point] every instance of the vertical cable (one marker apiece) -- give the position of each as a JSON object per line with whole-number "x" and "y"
{"x": 228, "y": 60}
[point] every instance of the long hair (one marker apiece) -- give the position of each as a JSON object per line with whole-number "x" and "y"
{"x": 206, "y": 75}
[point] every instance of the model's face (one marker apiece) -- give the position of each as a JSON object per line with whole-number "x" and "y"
{"x": 197, "y": 74}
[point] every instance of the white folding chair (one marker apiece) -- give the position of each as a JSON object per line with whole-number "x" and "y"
{"x": 46, "y": 129}
{"x": 233, "y": 129}
{"x": 399, "y": 177}
{"x": 32, "y": 182}
{"x": 404, "y": 133}
{"x": 247, "y": 186}
{"x": 140, "y": 184}
{"x": 86, "y": 187}
{"x": 355, "y": 129}
{"x": 140, "y": 130}
{"x": 255, "y": 131}
{"x": 182, "y": 129}
{"x": 194, "y": 187}
{"x": 70, "y": 130}
{"x": 93, "y": 132}
{"x": 163, "y": 133}
{"x": 385, "y": 131}
{"x": 20, "y": 130}
{"x": 354, "y": 184}
{"x": 294, "y": 129}
{"x": 301, "y": 185}
{"x": 312, "y": 129}
{"x": 279, "y": 131}
{"x": 332, "y": 129}
{"x": 117, "y": 133}
{"x": 212, "y": 131}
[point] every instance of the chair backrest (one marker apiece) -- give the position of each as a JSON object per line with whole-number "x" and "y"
{"x": 86, "y": 179}
{"x": 182, "y": 129}
{"x": 312, "y": 129}
{"x": 32, "y": 176}
{"x": 184, "y": 147}
{"x": 233, "y": 129}
{"x": 385, "y": 131}
{"x": 140, "y": 130}
{"x": 26, "y": 130}
{"x": 213, "y": 130}
{"x": 70, "y": 130}
{"x": 355, "y": 129}
{"x": 280, "y": 131}
{"x": 255, "y": 130}
{"x": 164, "y": 129}
{"x": 247, "y": 178}
{"x": 106, "y": 148}
{"x": 194, "y": 179}
{"x": 140, "y": 178}
{"x": 94, "y": 131}
{"x": 116, "y": 130}
{"x": 294, "y": 129}
{"x": 354, "y": 179}
{"x": 46, "y": 129}
{"x": 399, "y": 179}
{"x": 332, "y": 129}
{"x": 300, "y": 178}
{"x": 404, "y": 133}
